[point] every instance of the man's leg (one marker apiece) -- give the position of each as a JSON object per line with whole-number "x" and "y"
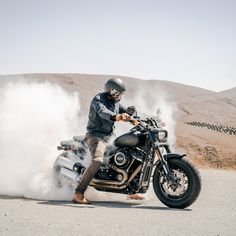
{"x": 97, "y": 149}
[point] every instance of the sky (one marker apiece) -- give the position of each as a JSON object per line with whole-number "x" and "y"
{"x": 185, "y": 41}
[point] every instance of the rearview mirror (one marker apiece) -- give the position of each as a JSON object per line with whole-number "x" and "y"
{"x": 131, "y": 110}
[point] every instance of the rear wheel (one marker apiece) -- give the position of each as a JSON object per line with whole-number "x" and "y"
{"x": 185, "y": 188}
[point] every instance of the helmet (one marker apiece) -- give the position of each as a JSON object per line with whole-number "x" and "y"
{"x": 115, "y": 87}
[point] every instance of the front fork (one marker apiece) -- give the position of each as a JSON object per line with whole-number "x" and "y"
{"x": 164, "y": 164}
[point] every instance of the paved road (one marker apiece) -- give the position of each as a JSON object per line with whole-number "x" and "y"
{"x": 214, "y": 213}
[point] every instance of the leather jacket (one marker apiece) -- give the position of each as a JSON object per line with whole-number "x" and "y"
{"x": 102, "y": 116}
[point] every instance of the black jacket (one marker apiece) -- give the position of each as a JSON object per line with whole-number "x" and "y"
{"x": 101, "y": 116}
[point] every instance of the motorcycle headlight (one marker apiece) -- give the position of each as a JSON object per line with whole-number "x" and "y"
{"x": 162, "y": 136}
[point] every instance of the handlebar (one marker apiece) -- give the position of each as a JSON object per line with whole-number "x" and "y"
{"x": 145, "y": 123}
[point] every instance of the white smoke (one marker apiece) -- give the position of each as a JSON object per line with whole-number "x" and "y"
{"x": 34, "y": 118}
{"x": 152, "y": 105}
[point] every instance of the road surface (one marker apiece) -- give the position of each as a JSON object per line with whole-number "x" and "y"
{"x": 214, "y": 213}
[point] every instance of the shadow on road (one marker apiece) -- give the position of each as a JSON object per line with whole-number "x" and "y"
{"x": 130, "y": 205}
{"x": 11, "y": 197}
{"x": 98, "y": 204}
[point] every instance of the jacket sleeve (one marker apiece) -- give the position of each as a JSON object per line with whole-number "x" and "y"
{"x": 102, "y": 111}
{"x": 122, "y": 109}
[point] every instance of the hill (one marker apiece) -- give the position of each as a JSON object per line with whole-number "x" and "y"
{"x": 205, "y": 120}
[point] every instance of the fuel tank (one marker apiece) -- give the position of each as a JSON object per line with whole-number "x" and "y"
{"x": 129, "y": 140}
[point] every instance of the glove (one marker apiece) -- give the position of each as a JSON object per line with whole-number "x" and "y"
{"x": 124, "y": 117}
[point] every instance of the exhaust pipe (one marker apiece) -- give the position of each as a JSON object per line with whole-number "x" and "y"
{"x": 68, "y": 164}
{"x": 71, "y": 175}
{"x": 70, "y": 169}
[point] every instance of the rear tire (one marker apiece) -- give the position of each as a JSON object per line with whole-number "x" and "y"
{"x": 193, "y": 181}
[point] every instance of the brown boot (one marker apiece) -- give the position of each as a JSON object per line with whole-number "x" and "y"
{"x": 136, "y": 196}
{"x": 80, "y": 198}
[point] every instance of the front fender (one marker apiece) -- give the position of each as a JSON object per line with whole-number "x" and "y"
{"x": 172, "y": 155}
{"x": 169, "y": 156}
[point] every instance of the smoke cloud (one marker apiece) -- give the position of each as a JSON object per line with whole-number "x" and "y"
{"x": 34, "y": 118}
{"x": 152, "y": 105}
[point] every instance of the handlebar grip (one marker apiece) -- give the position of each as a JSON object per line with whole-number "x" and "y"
{"x": 136, "y": 117}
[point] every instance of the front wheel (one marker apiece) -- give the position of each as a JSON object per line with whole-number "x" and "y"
{"x": 185, "y": 188}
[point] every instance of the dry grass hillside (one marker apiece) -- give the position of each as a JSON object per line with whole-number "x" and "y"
{"x": 205, "y": 120}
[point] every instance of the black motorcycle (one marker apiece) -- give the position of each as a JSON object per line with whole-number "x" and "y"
{"x": 131, "y": 162}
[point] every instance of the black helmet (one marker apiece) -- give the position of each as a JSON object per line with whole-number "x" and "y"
{"x": 116, "y": 84}
{"x": 115, "y": 87}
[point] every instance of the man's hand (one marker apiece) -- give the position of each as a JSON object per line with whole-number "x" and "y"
{"x": 135, "y": 122}
{"x": 124, "y": 117}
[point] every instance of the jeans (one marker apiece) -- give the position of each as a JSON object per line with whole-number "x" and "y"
{"x": 97, "y": 148}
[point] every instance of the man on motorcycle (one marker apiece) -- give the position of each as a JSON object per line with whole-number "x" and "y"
{"x": 105, "y": 110}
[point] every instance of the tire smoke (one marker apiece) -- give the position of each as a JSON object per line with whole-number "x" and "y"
{"x": 34, "y": 117}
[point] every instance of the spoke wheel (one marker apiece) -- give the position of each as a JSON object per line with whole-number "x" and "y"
{"x": 179, "y": 187}
{"x": 183, "y": 190}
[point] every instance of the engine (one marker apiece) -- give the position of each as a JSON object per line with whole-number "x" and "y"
{"x": 121, "y": 158}
{"x": 124, "y": 157}
{"x": 122, "y": 165}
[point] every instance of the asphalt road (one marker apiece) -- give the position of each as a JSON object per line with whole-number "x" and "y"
{"x": 214, "y": 213}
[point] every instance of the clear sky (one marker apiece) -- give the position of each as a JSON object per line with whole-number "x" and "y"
{"x": 187, "y": 41}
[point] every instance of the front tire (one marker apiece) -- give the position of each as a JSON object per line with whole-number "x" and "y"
{"x": 189, "y": 183}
